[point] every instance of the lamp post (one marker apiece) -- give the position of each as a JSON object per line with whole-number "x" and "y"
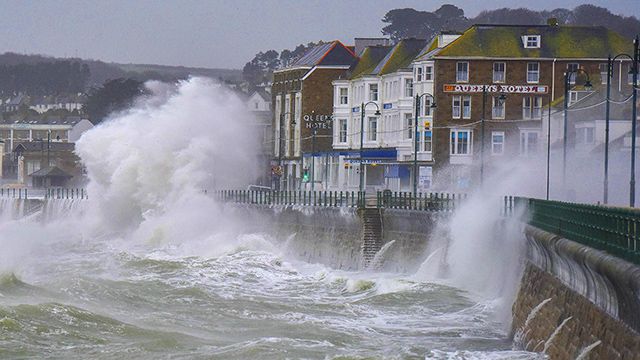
{"x": 416, "y": 142}
{"x": 587, "y": 86}
{"x": 313, "y": 159}
{"x": 610, "y": 63}
{"x": 548, "y": 144}
{"x": 634, "y": 119}
{"x": 362, "y": 111}
{"x": 501, "y": 99}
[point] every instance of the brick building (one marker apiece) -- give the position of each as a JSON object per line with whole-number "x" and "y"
{"x": 522, "y": 70}
{"x": 302, "y": 97}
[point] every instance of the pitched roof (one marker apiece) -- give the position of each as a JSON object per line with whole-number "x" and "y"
{"x": 400, "y": 57}
{"x": 331, "y": 53}
{"x": 51, "y": 171}
{"x": 40, "y": 120}
{"x": 556, "y": 42}
{"x": 371, "y": 56}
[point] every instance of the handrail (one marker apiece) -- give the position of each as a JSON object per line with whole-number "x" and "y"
{"x": 293, "y": 197}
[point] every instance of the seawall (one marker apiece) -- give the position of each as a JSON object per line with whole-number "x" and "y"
{"x": 576, "y": 301}
{"x": 334, "y": 236}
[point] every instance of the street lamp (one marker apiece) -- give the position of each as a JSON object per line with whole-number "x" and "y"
{"x": 362, "y": 110}
{"x": 587, "y": 86}
{"x": 502, "y": 98}
{"x": 416, "y": 142}
{"x": 610, "y": 63}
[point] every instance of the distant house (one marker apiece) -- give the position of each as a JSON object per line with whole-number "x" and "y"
{"x": 42, "y": 104}
{"x": 52, "y": 163}
{"x": 14, "y": 103}
{"x": 259, "y": 103}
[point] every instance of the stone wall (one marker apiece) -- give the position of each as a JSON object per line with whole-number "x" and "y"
{"x": 573, "y": 297}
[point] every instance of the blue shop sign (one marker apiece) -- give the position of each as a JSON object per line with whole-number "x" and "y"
{"x": 387, "y": 106}
{"x": 355, "y": 109}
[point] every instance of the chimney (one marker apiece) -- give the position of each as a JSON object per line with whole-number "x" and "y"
{"x": 361, "y": 43}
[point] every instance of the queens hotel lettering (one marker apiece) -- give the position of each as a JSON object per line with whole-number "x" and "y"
{"x": 318, "y": 121}
{"x": 509, "y": 89}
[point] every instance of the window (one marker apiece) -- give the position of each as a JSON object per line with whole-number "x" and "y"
{"x": 372, "y": 129}
{"x": 427, "y": 141}
{"x": 603, "y": 72}
{"x": 532, "y": 107}
{"x": 630, "y": 75}
{"x": 466, "y": 107}
{"x": 408, "y": 87}
{"x": 497, "y": 142}
{"x": 572, "y": 69}
{"x": 344, "y": 96}
{"x": 408, "y": 126}
{"x": 256, "y": 105}
{"x": 460, "y": 142}
{"x": 498, "y": 108}
{"x": 419, "y": 73}
{"x": 427, "y": 106}
{"x": 373, "y": 92}
{"x": 585, "y": 135}
{"x": 528, "y": 142}
{"x": 499, "y": 72}
{"x": 428, "y": 73}
{"x": 533, "y": 72}
{"x": 455, "y": 109}
{"x": 342, "y": 126}
{"x": 462, "y": 72}
{"x": 531, "y": 41}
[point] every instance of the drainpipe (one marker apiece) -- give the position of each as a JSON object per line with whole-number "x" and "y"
{"x": 553, "y": 82}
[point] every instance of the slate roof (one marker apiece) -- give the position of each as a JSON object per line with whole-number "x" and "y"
{"x": 556, "y": 42}
{"x": 371, "y": 56}
{"x": 331, "y": 53}
{"x": 401, "y": 56}
{"x": 51, "y": 171}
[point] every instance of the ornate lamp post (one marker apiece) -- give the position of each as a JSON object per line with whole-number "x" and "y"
{"x": 416, "y": 143}
{"x": 362, "y": 111}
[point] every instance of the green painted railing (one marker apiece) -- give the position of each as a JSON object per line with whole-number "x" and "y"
{"x": 424, "y": 201}
{"x": 304, "y": 198}
{"x": 614, "y": 230}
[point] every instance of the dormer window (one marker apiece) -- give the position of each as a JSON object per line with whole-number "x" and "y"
{"x": 531, "y": 41}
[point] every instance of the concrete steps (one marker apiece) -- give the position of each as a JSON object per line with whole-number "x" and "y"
{"x": 371, "y": 233}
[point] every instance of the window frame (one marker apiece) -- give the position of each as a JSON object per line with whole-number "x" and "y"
{"x": 342, "y": 97}
{"x": 504, "y": 72}
{"x": 408, "y": 87}
{"x": 537, "y": 40}
{"x": 372, "y": 92}
{"x": 454, "y": 145}
{"x": 494, "y": 143}
{"x": 454, "y": 99}
{"x": 343, "y": 131}
{"x": 466, "y": 98}
{"x": 458, "y": 72}
{"x": 428, "y": 73}
{"x": 537, "y": 72}
{"x": 372, "y": 132}
{"x": 503, "y": 105}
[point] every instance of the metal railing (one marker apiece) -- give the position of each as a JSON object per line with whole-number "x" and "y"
{"x": 303, "y": 198}
{"x": 425, "y": 202}
{"x": 614, "y": 230}
{"x": 50, "y": 193}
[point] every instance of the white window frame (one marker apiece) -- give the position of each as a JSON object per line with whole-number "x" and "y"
{"x": 408, "y": 126}
{"x": 419, "y": 73}
{"x": 343, "y": 129}
{"x": 454, "y": 145}
{"x": 494, "y": 143}
{"x": 428, "y": 73}
{"x": 427, "y": 145}
{"x": 495, "y": 114}
{"x": 572, "y": 75}
{"x": 456, "y": 111}
{"x": 408, "y": 88}
{"x": 426, "y": 107}
{"x": 531, "y": 41}
{"x": 524, "y": 142}
{"x": 343, "y": 99}
{"x": 459, "y": 73}
{"x": 532, "y": 107}
{"x": 532, "y": 72}
{"x": 504, "y": 72}
{"x": 603, "y": 72}
{"x": 372, "y": 131}
{"x": 466, "y": 109}
{"x": 373, "y": 95}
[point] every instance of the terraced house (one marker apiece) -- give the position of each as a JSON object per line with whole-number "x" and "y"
{"x": 493, "y": 85}
{"x": 302, "y": 97}
{"x": 382, "y": 80}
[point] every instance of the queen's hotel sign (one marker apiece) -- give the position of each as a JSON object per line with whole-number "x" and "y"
{"x": 494, "y": 88}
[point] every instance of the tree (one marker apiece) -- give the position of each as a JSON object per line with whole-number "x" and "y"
{"x": 113, "y": 95}
{"x": 407, "y": 23}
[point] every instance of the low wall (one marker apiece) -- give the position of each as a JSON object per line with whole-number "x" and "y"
{"x": 575, "y": 301}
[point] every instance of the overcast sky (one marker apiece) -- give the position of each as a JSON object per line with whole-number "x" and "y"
{"x": 211, "y": 33}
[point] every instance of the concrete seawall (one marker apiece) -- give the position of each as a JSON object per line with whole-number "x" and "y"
{"x": 575, "y": 300}
{"x": 334, "y": 236}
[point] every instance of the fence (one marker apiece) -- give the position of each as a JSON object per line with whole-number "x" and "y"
{"x": 614, "y": 230}
{"x": 304, "y": 198}
{"x": 427, "y": 201}
{"x": 50, "y": 193}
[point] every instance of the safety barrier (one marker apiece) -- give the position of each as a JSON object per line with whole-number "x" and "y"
{"x": 423, "y": 201}
{"x": 614, "y": 230}
{"x": 292, "y": 197}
